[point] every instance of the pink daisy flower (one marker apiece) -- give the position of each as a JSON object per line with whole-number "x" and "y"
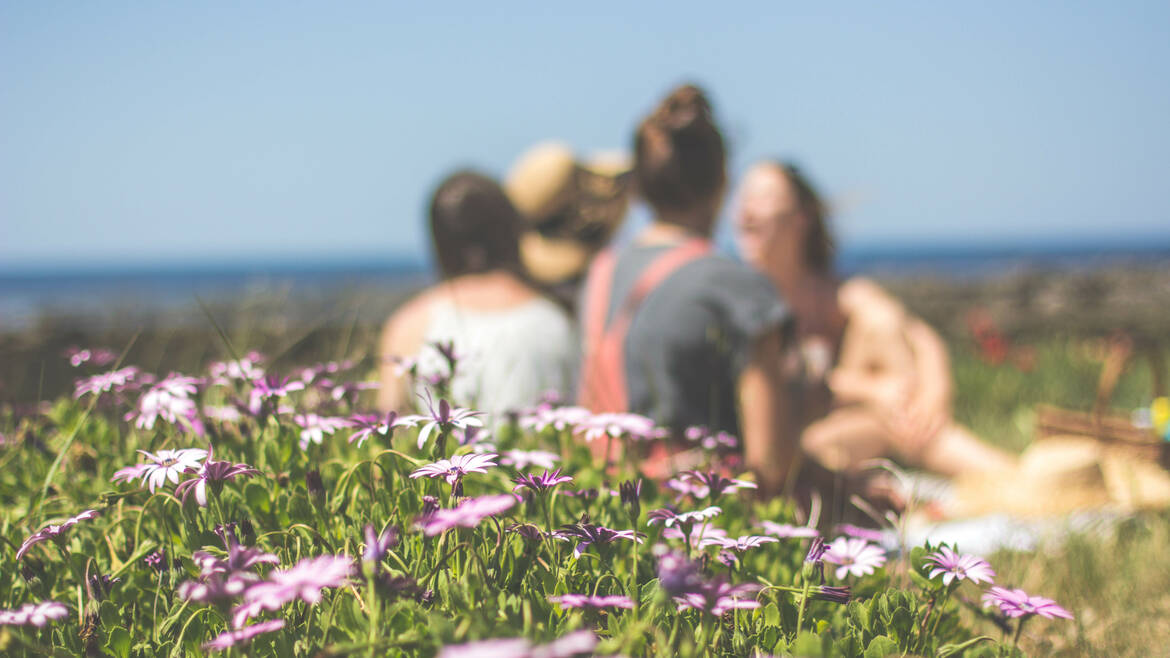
{"x": 170, "y": 400}
{"x": 455, "y": 468}
{"x": 170, "y": 464}
{"x": 1016, "y": 603}
{"x": 212, "y": 471}
{"x": 954, "y": 566}
{"x": 737, "y": 544}
{"x": 370, "y": 424}
{"x": 717, "y": 598}
{"x": 540, "y": 483}
{"x": 115, "y": 380}
{"x": 786, "y": 530}
{"x": 559, "y": 418}
{"x": 244, "y": 369}
{"x": 617, "y": 426}
{"x": 229, "y": 639}
{"x": 304, "y": 581}
{"x": 594, "y": 602}
{"x": 466, "y": 514}
{"x": 854, "y": 556}
{"x": 669, "y": 518}
{"x": 33, "y": 614}
{"x": 53, "y": 531}
{"x": 445, "y": 418}
{"x": 314, "y": 427}
{"x": 709, "y": 484}
{"x": 520, "y": 459}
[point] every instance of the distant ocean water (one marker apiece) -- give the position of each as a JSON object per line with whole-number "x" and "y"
{"x": 26, "y": 294}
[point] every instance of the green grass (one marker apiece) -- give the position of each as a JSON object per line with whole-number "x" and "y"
{"x": 1117, "y": 583}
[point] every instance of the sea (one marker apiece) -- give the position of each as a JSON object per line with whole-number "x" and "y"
{"x": 26, "y": 294}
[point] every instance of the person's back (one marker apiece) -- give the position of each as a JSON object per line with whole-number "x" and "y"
{"x": 686, "y": 337}
{"x": 513, "y": 343}
{"x": 691, "y": 336}
{"x": 508, "y": 356}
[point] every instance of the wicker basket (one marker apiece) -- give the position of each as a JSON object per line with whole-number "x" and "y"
{"x": 1114, "y": 430}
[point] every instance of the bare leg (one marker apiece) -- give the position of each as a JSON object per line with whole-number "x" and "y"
{"x": 957, "y": 450}
{"x": 846, "y": 438}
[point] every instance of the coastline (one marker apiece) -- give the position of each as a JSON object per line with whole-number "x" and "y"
{"x": 321, "y": 318}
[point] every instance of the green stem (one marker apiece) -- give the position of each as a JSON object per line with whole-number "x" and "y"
{"x": 803, "y": 604}
{"x": 635, "y": 589}
{"x": 1016, "y": 637}
{"x": 375, "y": 609}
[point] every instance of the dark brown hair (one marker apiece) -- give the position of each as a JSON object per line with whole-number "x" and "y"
{"x": 679, "y": 155}
{"x": 474, "y": 227}
{"x": 818, "y": 243}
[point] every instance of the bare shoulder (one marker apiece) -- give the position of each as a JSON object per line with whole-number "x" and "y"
{"x": 403, "y": 331}
{"x": 867, "y": 303}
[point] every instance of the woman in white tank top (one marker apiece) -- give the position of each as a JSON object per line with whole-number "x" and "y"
{"x": 513, "y": 343}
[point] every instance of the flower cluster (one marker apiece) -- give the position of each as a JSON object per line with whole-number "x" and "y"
{"x": 374, "y": 549}
{"x": 304, "y": 581}
{"x": 170, "y": 400}
{"x": 226, "y": 577}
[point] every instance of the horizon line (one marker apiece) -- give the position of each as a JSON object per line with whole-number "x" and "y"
{"x": 401, "y": 260}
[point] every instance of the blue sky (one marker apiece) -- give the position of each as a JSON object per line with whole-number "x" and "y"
{"x": 146, "y": 133}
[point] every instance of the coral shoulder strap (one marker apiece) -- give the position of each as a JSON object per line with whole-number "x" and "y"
{"x": 603, "y": 370}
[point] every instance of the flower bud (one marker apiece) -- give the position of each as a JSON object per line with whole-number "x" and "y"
{"x": 832, "y": 594}
{"x": 157, "y": 561}
{"x": 813, "y": 564}
{"x": 315, "y": 486}
{"x": 631, "y": 495}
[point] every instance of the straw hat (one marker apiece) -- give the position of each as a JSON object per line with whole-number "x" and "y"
{"x": 1063, "y": 474}
{"x": 572, "y": 207}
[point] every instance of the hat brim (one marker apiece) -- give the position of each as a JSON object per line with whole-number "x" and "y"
{"x": 552, "y": 260}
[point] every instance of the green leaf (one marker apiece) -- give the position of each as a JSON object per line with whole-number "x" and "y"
{"x": 807, "y": 644}
{"x": 881, "y": 646}
{"x": 902, "y": 623}
{"x": 859, "y": 615}
{"x": 772, "y": 615}
{"x": 119, "y": 642}
{"x": 257, "y": 497}
{"x": 768, "y": 637}
{"x": 920, "y": 580}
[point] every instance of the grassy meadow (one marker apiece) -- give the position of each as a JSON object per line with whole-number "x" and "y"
{"x": 1116, "y": 584}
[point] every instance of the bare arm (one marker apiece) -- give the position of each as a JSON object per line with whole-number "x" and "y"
{"x": 391, "y": 388}
{"x": 876, "y": 365}
{"x": 932, "y": 363}
{"x": 768, "y": 418}
{"x": 402, "y": 336}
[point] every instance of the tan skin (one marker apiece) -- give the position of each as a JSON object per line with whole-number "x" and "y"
{"x": 404, "y": 332}
{"x": 887, "y": 373}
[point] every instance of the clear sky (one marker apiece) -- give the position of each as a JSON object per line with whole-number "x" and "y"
{"x": 145, "y": 133}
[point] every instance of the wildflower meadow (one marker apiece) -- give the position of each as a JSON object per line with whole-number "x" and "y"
{"x": 248, "y": 511}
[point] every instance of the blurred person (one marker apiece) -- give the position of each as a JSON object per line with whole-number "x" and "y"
{"x": 511, "y": 342}
{"x": 875, "y": 379}
{"x": 571, "y": 209}
{"x": 675, "y": 332}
